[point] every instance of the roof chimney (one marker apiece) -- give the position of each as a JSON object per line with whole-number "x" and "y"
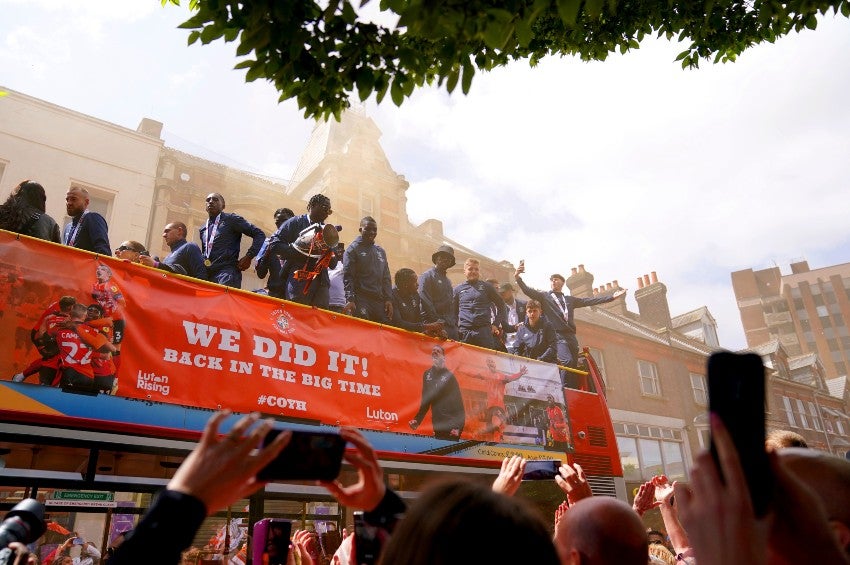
{"x": 617, "y": 306}
{"x": 580, "y": 282}
{"x": 652, "y": 302}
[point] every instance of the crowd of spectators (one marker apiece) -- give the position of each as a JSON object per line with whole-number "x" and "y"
{"x": 709, "y": 521}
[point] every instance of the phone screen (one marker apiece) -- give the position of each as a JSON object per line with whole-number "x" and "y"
{"x": 307, "y": 456}
{"x": 368, "y": 540}
{"x": 736, "y": 395}
{"x": 275, "y": 541}
{"x": 541, "y": 470}
{"x": 78, "y": 541}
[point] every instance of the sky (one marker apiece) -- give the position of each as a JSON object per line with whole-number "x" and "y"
{"x": 627, "y": 166}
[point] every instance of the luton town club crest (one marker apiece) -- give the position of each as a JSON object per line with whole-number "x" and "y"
{"x": 282, "y": 321}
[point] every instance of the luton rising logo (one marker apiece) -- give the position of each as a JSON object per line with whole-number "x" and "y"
{"x": 282, "y": 321}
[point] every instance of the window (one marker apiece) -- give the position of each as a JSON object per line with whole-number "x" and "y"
{"x": 650, "y": 457}
{"x": 645, "y": 456}
{"x": 839, "y": 425}
{"x": 801, "y": 413}
{"x": 629, "y": 458}
{"x": 699, "y": 388}
{"x": 600, "y": 363}
{"x": 649, "y": 384}
{"x": 814, "y": 414}
{"x": 789, "y": 412}
{"x": 100, "y": 201}
{"x": 822, "y": 311}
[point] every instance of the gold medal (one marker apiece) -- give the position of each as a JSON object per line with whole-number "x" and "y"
{"x": 207, "y": 262}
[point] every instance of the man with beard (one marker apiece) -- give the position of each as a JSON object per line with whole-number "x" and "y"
{"x": 473, "y": 301}
{"x": 87, "y": 230}
{"x": 366, "y": 276}
{"x": 441, "y": 395}
{"x": 221, "y": 237}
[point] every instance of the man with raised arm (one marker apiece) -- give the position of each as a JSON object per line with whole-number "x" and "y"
{"x": 558, "y": 309}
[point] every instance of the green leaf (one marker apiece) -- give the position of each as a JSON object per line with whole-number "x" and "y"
{"x": 348, "y": 13}
{"x": 682, "y": 55}
{"x": 594, "y": 8}
{"x": 812, "y": 22}
{"x": 396, "y": 92}
{"x": 193, "y": 37}
{"x": 451, "y": 79}
{"x": 845, "y": 9}
{"x": 468, "y": 73}
{"x": 523, "y": 33}
{"x": 568, "y": 10}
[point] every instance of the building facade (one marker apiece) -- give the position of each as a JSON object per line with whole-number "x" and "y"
{"x": 797, "y": 323}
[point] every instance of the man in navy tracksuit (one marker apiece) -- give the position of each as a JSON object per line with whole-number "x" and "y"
{"x": 471, "y": 302}
{"x": 366, "y": 276}
{"x": 558, "y": 309}
{"x": 221, "y": 236}
{"x": 282, "y": 244}
{"x": 436, "y": 287}
{"x": 269, "y": 264}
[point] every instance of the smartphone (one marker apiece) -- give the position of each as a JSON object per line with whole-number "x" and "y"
{"x": 736, "y": 394}
{"x": 368, "y": 540}
{"x": 271, "y": 541}
{"x": 307, "y": 456}
{"x": 541, "y": 470}
{"x": 78, "y": 541}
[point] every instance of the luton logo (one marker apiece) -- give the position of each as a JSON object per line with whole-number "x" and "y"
{"x": 282, "y": 321}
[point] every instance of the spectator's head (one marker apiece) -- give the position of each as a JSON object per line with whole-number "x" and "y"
{"x": 655, "y": 537}
{"x": 319, "y": 208}
{"x": 76, "y": 201}
{"x": 557, "y": 282}
{"x": 174, "y": 232}
{"x": 406, "y": 281}
{"x": 130, "y": 251}
{"x": 459, "y": 522}
{"x": 601, "y": 530}
{"x": 662, "y": 554}
{"x": 438, "y": 356}
{"x": 66, "y": 302}
{"x": 368, "y": 229}
{"x": 444, "y": 257}
{"x": 65, "y": 560}
{"x": 506, "y": 290}
{"x": 472, "y": 269}
{"x": 533, "y": 310}
{"x": 780, "y": 439}
{"x": 215, "y": 204}
{"x": 31, "y": 193}
{"x": 281, "y": 215}
{"x": 829, "y": 477}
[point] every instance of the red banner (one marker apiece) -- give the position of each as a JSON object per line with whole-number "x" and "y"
{"x": 180, "y": 341}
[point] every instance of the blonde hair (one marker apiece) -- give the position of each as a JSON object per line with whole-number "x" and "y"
{"x": 662, "y": 553}
{"x": 471, "y": 261}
